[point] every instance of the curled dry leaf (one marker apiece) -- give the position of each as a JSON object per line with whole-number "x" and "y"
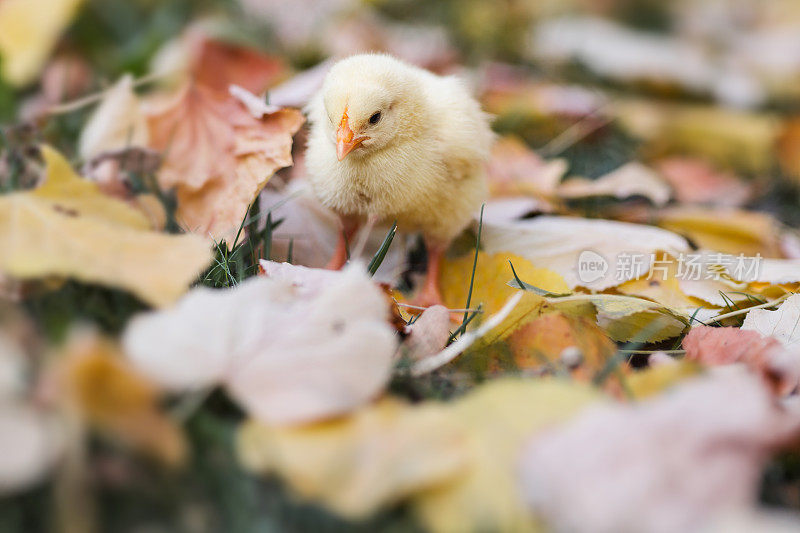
{"x": 287, "y": 356}
{"x": 67, "y": 227}
{"x": 218, "y": 157}
{"x": 357, "y": 464}
{"x": 117, "y": 123}
{"x": 116, "y": 400}
{"x": 636, "y": 476}
{"x": 29, "y": 30}
{"x": 428, "y": 335}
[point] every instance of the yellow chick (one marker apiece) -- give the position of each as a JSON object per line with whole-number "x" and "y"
{"x": 390, "y": 141}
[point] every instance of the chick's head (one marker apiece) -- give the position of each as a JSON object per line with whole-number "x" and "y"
{"x": 370, "y": 101}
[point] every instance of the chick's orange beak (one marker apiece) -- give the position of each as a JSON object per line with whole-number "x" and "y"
{"x": 346, "y": 141}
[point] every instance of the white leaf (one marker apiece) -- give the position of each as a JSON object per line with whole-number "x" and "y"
{"x": 668, "y": 464}
{"x": 117, "y": 123}
{"x": 558, "y": 243}
{"x": 286, "y": 355}
{"x": 782, "y": 324}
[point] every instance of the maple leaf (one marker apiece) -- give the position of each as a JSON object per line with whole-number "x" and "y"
{"x": 67, "y": 227}
{"x": 218, "y": 157}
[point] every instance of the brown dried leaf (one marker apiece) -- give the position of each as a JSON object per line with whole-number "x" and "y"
{"x": 218, "y": 156}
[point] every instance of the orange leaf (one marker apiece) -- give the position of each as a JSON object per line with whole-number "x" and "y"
{"x": 218, "y": 65}
{"x": 550, "y": 338}
{"x": 218, "y": 157}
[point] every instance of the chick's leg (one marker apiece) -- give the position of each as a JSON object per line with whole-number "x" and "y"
{"x": 429, "y": 294}
{"x": 346, "y": 233}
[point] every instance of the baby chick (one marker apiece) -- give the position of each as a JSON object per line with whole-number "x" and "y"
{"x": 390, "y": 141}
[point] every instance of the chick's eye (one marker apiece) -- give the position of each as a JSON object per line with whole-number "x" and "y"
{"x": 375, "y": 118}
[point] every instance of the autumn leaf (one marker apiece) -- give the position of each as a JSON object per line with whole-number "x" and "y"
{"x": 658, "y": 377}
{"x": 637, "y": 476}
{"x": 496, "y": 418}
{"x": 576, "y": 342}
{"x": 696, "y": 181}
{"x": 29, "y": 29}
{"x": 67, "y": 227}
{"x": 730, "y": 138}
{"x": 557, "y": 244}
{"x": 287, "y": 355}
{"x": 732, "y": 231}
{"x": 515, "y": 169}
{"x": 119, "y": 402}
{"x": 357, "y": 464}
{"x": 218, "y": 65}
{"x": 782, "y": 324}
{"x": 218, "y": 157}
{"x": 626, "y": 318}
{"x": 491, "y": 289}
{"x": 454, "y": 461}
{"x": 632, "y": 179}
{"x": 117, "y": 123}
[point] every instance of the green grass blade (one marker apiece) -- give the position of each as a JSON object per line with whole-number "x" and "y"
{"x": 379, "y": 256}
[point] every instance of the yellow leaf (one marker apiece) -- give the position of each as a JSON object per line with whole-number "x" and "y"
{"x": 497, "y": 418}
{"x": 67, "y": 227}
{"x": 738, "y": 139}
{"x": 731, "y": 231}
{"x": 116, "y": 400}
{"x": 29, "y": 30}
{"x": 491, "y": 287}
{"x": 455, "y": 461}
{"x": 357, "y": 464}
{"x": 655, "y": 379}
{"x": 626, "y": 318}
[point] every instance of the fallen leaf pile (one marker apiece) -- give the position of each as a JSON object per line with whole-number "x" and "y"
{"x": 618, "y": 345}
